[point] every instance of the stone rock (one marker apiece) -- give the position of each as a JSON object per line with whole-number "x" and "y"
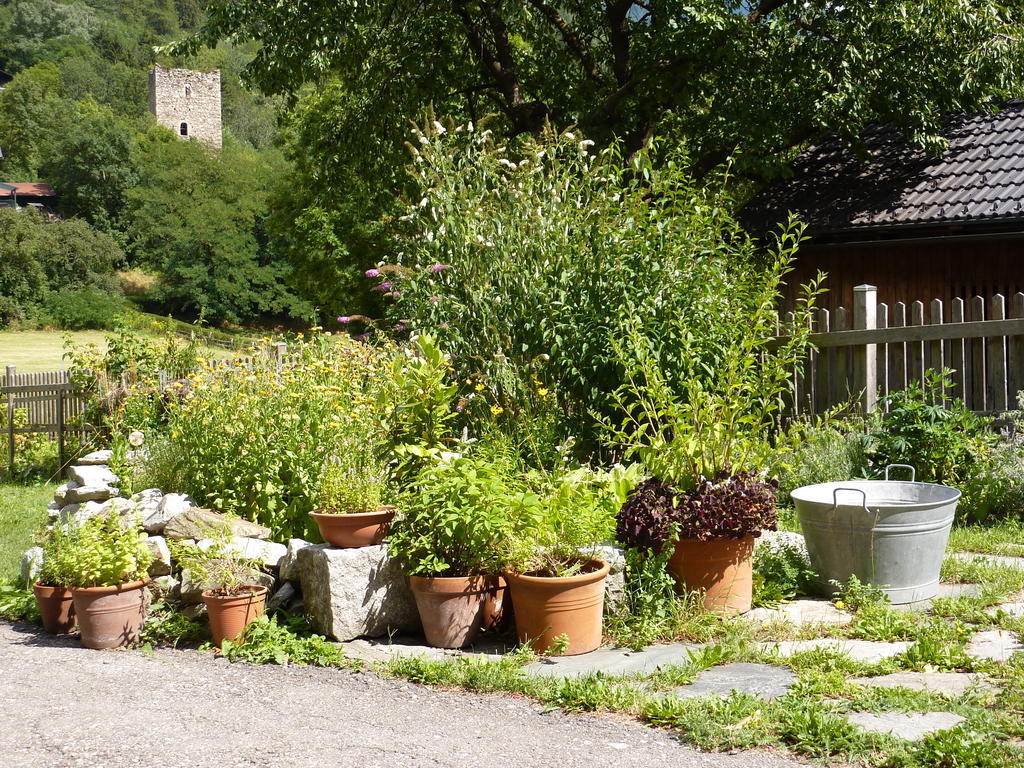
{"x": 801, "y": 612}
{"x": 199, "y": 524}
{"x": 160, "y": 510}
{"x": 613, "y": 661}
{"x": 1015, "y": 610}
{"x": 192, "y": 589}
{"x": 76, "y": 514}
{"x": 90, "y": 493}
{"x": 912, "y": 726}
{"x": 98, "y": 474}
{"x": 53, "y": 511}
{"x": 269, "y": 553}
{"x": 123, "y": 507}
{"x": 166, "y": 587}
{"x": 764, "y": 680}
{"x": 615, "y": 592}
{"x": 282, "y": 597}
{"x": 31, "y": 562}
{"x": 96, "y": 457}
{"x": 288, "y": 568}
{"x": 161, "y": 565}
{"x": 614, "y": 556}
{"x": 349, "y": 593}
{"x": 952, "y": 684}
{"x": 995, "y": 644}
{"x": 194, "y": 612}
{"x": 859, "y": 650}
{"x": 61, "y": 494}
{"x": 778, "y": 539}
{"x": 147, "y": 495}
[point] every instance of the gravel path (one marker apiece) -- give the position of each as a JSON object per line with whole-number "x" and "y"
{"x": 61, "y": 705}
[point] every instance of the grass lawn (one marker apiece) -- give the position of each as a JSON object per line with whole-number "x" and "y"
{"x": 22, "y": 512}
{"x": 33, "y": 351}
{"x": 1005, "y": 537}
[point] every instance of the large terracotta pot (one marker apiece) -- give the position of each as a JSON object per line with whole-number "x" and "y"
{"x": 110, "y": 617}
{"x": 498, "y": 605}
{"x": 231, "y": 614}
{"x": 56, "y": 608}
{"x": 452, "y": 608}
{"x": 720, "y": 568}
{"x": 357, "y": 529}
{"x": 573, "y": 606}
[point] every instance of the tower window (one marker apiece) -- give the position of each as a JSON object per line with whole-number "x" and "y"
{"x": 183, "y": 129}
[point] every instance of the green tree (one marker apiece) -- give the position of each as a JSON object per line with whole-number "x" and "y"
{"x": 32, "y": 115}
{"x": 197, "y": 218}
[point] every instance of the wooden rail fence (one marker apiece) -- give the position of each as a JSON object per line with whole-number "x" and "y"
{"x": 876, "y": 349}
{"x": 45, "y": 402}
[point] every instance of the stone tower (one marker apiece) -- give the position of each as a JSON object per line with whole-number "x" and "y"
{"x": 187, "y": 102}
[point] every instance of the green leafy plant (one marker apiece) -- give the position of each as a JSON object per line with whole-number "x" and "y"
{"x": 781, "y": 573}
{"x": 216, "y": 565}
{"x": 855, "y": 595}
{"x": 104, "y": 551}
{"x": 458, "y": 514}
{"x": 268, "y": 641}
{"x": 17, "y": 604}
{"x": 165, "y": 625}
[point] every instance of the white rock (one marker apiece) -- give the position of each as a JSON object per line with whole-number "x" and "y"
{"x": 90, "y": 493}
{"x": 800, "y": 612}
{"x": 161, "y": 565}
{"x": 781, "y": 539}
{"x": 31, "y": 562}
{"x": 123, "y": 507}
{"x": 911, "y": 726}
{"x": 995, "y": 644}
{"x": 167, "y": 587}
{"x": 98, "y": 474}
{"x": 868, "y": 651}
{"x": 952, "y": 684}
{"x": 96, "y": 457}
{"x": 149, "y": 493}
{"x": 192, "y": 589}
{"x": 53, "y": 511}
{"x": 288, "y": 568}
{"x": 350, "y": 593}
{"x": 269, "y": 553}
{"x": 76, "y": 514}
{"x": 60, "y": 496}
{"x": 168, "y": 508}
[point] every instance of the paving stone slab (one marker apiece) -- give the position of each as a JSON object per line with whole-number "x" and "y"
{"x": 912, "y": 726}
{"x": 613, "y": 661}
{"x": 967, "y": 589}
{"x": 951, "y": 684}
{"x": 1012, "y": 562}
{"x": 801, "y": 612}
{"x": 860, "y": 650}
{"x": 370, "y": 650}
{"x": 1010, "y": 609}
{"x": 764, "y": 680}
{"x": 995, "y": 644}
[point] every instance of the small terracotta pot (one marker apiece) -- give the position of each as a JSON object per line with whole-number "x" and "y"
{"x": 547, "y": 607}
{"x": 110, "y": 617}
{"x": 452, "y": 608}
{"x": 56, "y": 608}
{"x": 498, "y": 605}
{"x": 720, "y": 568}
{"x": 356, "y": 529}
{"x": 231, "y": 614}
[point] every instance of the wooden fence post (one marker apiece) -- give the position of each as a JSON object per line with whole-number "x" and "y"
{"x": 865, "y": 357}
{"x": 280, "y": 350}
{"x": 11, "y": 372}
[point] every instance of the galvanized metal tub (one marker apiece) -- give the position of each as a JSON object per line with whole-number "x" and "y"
{"x": 891, "y": 534}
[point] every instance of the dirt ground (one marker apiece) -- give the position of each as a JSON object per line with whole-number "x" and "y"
{"x": 62, "y": 705}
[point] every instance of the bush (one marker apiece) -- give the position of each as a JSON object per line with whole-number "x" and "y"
{"x": 81, "y": 308}
{"x": 101, "y": 552}
{"x": 824, "y": 452}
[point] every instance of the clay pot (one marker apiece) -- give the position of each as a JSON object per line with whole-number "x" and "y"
{"x": 498, "y": 605}
{"x": 110, "y": 617}
{"x": 720, "y": 568}
{"x": 547, "y": 607}
{"x": 231, "y": 614}
{"x": 452, "y": 608}
{"x": 357, "y": 529}
{"x": 56, "y": 608}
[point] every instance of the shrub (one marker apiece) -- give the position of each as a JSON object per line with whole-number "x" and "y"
{"x": 102, "y": 552}
{"x": 781, "y": 573}
{"x": 81, "y": 308}
{"x": 252, "y": 438}
{"x": 821, "y": 453}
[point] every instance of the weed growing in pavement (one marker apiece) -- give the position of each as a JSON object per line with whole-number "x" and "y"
{"x": 1000, "y": 581}
{"x": 940, "y": 645}
{"x": 166, "y": 626}
{"x": 266, "y": 641}
{"x": 17, "y": 604}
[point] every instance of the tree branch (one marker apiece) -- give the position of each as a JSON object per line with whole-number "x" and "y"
{"x": 616, "y": 14}
{"x": 764, "y": 8}
{"x": 569, "y": 37}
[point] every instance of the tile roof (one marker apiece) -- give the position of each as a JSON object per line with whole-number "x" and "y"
{"x": 979, "y": 178}
{"x": 27, "y": 189}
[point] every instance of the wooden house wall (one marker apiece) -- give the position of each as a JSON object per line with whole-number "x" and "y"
{"x": 908, "y": 273}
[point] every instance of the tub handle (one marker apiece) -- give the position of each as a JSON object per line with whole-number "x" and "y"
{"x": 835, "y": 497}
{"x": 913, "y": 472}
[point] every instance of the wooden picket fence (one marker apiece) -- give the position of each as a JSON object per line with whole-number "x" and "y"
{"x": 45, "y": 402}
{"x": 874, "y": 349}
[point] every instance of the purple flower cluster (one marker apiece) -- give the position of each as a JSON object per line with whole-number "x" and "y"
{"x": 738, "y": 506}
{"x": 439, "y": 267}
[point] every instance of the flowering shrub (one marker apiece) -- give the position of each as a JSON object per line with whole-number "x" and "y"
{"x": 252, "y": 438}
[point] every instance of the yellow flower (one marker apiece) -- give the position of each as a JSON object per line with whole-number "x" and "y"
{"x": 543, "y": 392}
{"x": 479, "y": 387}
{"x": 496, "y": 410}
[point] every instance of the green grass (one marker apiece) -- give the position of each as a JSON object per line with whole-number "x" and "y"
{"x": 22, "y": 512}
{"x": 1004, "y": 537}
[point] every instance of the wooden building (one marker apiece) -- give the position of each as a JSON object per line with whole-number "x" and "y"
{"x": 918, "y": 226}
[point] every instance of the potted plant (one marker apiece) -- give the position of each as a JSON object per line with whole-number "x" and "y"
{"x": 702, "y": 431}
{"x": 555, "y": 573}
{"x": 350, "y": 512}
{"x": 233, "y": 600}
{"x": 56, "y": 607}
{"x": 448, "y": 539}
{"x": 104, "y": 562}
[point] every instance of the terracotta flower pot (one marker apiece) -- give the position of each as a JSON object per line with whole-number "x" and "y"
{"x": 356, "y": 529}
{"x": 498, "y": 605}
{"x": 231, "y": 614}
{"x": 110, "y": 617}
{"x": 452, "y": 608}
{"x": 720, "y": 568}
{"x": 56, "y": 608}
{"x": 549, "y": 607}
